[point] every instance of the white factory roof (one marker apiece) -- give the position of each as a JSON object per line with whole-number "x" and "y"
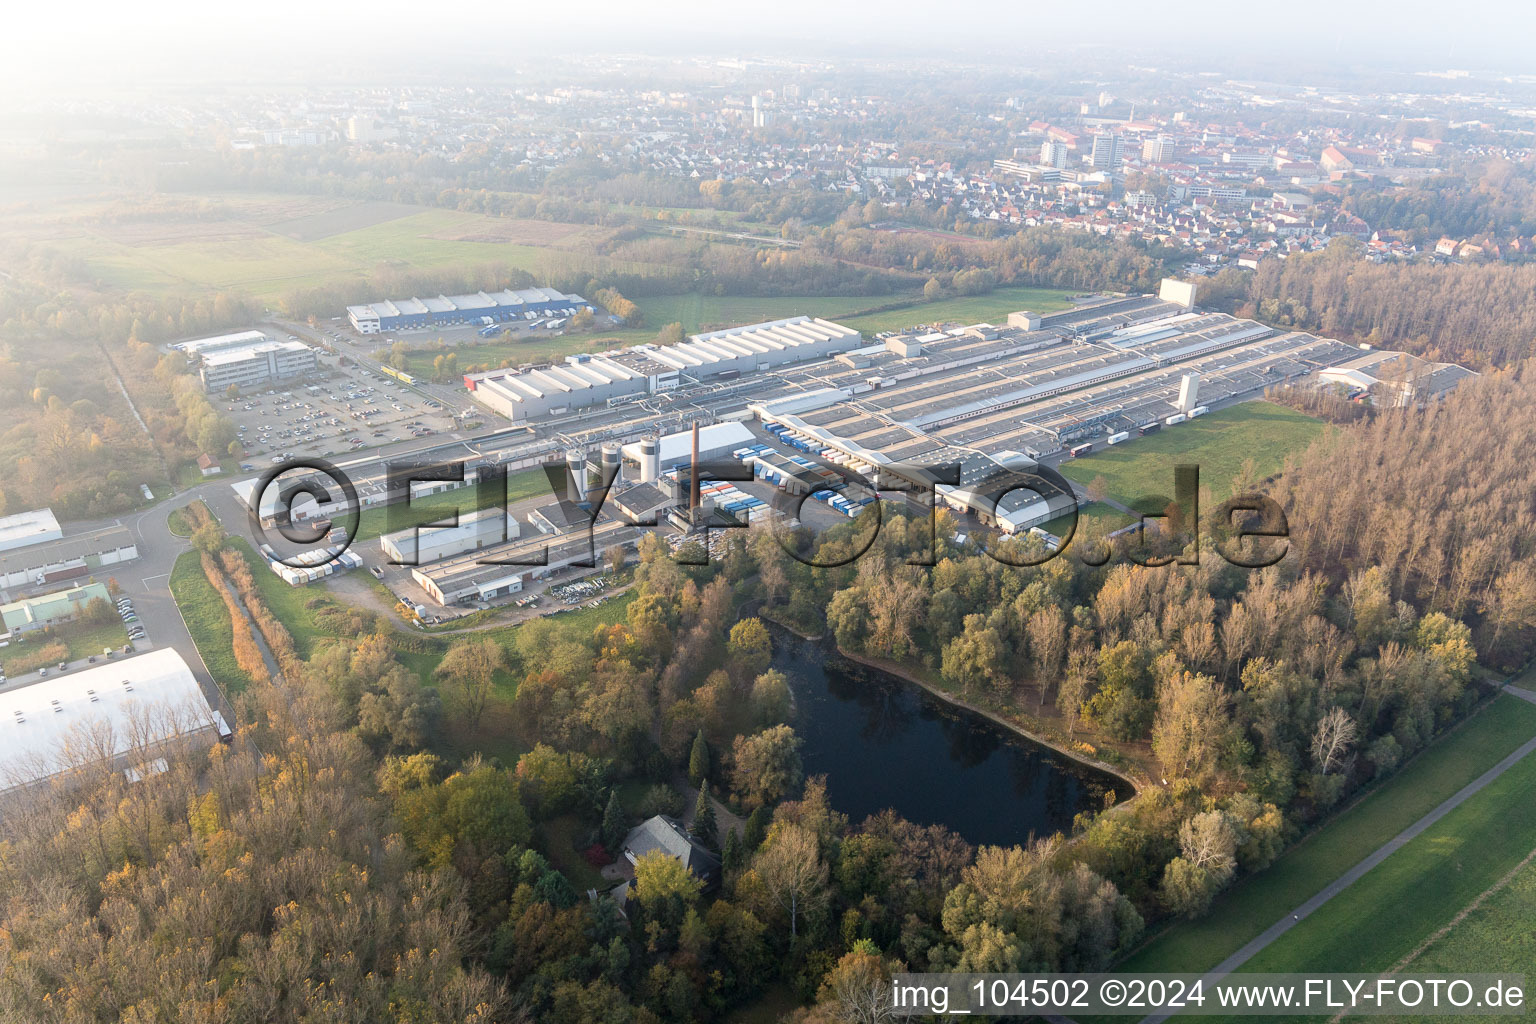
{"x": 26, "y": 528}
{"x": 735, "y": 342}
{"x": 221, "y": 341}
{"x": 511, "y": 297}
{"x": 711, "y": 438}
{"x": 807, "y": 401}
{"x": 105, "y": 711}
{"x": 480, "y": 526}
{"x": 244, "y": 352}
{"x": 699, "y": 356}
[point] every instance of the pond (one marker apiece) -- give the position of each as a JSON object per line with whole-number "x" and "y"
{"x": 882, "y": 742}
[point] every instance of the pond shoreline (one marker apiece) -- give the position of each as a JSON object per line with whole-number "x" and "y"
{"x": 902, "y": 673}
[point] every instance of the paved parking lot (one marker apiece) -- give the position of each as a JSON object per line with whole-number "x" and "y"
{"x": 138, "y": 637}
{"x": 350, "y": 409}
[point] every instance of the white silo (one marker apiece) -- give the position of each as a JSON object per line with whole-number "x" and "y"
{"x": 650, "y": 460}
{"x": 576, "y": 474}
{"x": 1189, "y": 392}
{"x": 612, "y": 463}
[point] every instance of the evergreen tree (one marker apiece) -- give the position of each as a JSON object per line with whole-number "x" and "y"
{"x": 756, "y": 829}
{"x": 613, "y": 822}
{"x": 704, "y": 828}
{"x": 698, "y": 760}
{"x": 732, "y": 857}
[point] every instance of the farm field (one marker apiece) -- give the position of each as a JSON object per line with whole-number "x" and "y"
{"x": 266, "y": 265}
{"x": 1258, "y": 901}
{"x": 268, "y": 245}
{"x": 1219, "y": 443}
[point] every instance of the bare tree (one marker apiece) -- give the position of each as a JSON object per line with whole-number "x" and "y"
{"x": 1333, "y": 740}
{"x": 791, "y": 868}
{"x": 1047, "y": 629}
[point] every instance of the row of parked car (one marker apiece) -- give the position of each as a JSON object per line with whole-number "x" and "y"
{"x": 130, "y": 619}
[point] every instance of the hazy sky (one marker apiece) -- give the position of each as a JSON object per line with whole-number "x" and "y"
{"x": 96, "y": 38}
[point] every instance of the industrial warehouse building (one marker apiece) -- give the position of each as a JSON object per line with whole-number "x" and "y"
{"x": 608, "y": 378}
{"x": 129, "y": 711}
{"x": 256, "y": 365}
{"x": 27, "y": 528}
{"x": 716, "y": 441}
{"x": 67, "y": 559}
{"x": 1397, "y": 378}
{"x": 475, "y": 530}
{"x": 476, "y": 576}
{"x": 454, "y": 310}
{"x": 50, "y": 609}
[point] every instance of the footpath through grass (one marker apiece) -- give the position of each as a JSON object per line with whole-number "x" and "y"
{"x": 1258, "y": 901}
{"x": 1218, "y": 443}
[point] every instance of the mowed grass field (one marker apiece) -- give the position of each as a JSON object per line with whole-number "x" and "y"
{"x": 1391, "y": 910}
{"x": 1096, "y": 513}
{"x": 1219, "y": 443}
{"x": 1495, "y": 937}
{"x": 372, "y": 522}
{"x": 268, "y": 264}
{"x": 707, "y": 312}
{"x": 1260, "y": 900}
{"x": 208, "y": 621}
{"x": 266, "y": 245}
{"x": 992, "y": 308}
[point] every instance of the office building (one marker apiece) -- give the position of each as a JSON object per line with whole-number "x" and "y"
{"x": 256, "y": 365}
{"x": 1158, "y": 150}
{"x": 1106, "y": 153}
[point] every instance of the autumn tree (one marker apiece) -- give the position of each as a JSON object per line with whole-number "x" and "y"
{"x": 766, "y": 764}
{"x": 468, "y": 672}
{"x": 790, "y": 867}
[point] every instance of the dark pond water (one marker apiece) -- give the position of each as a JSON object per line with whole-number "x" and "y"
{"x": 884, "y": 742}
